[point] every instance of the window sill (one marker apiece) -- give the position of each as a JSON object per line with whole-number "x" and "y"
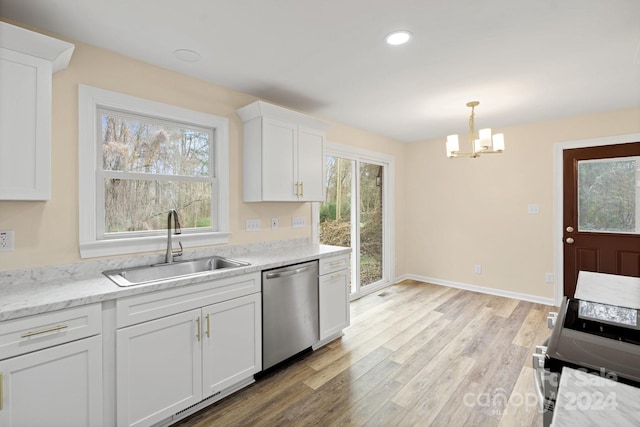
{"x": 100, "y": 248}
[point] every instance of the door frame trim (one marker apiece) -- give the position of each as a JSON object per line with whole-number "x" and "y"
{"x": 558, "y": 189}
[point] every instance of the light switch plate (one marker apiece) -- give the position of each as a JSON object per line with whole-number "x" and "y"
{"x": 6, "y": 241}
{"x": 297, "y": 222}
{"x": 252, "y": 225}
{"x": 533, "y": 209}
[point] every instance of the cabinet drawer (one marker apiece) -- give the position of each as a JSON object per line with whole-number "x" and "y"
{"x": 32, "y": 333}
{"x": 329, "y": 265}
{"x": 154, "y": 305}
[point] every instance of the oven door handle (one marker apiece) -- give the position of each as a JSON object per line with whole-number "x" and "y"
{"x": 538, "y": 368}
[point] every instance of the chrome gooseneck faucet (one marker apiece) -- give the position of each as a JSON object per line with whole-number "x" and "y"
{"x": 176, "y": 226}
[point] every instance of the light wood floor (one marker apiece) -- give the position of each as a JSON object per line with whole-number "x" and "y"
{"x": 415, "y": 354}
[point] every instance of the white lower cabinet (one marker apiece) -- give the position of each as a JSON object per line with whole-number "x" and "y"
{"x": 51, "y": 369}
{"x": 159, "y": 369}
{"x": 333, "y": 292}
{"x": 232, "y": 342}
{"x": 171, "y": 363}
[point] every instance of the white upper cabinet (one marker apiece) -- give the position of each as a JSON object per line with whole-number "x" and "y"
{"x": 27, "y": 62}
{"x": 283, "y": 154}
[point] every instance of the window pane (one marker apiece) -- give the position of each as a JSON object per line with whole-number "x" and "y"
{"x": 370, "y": 223}
{"x": 335, "y": 213}
{"x": 608, "y": 195}
{"x": 143, "y": 205}
{"x": 135, "y": 144}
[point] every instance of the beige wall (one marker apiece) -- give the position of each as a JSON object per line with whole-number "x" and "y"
{"x": 464, "y": 212}
{"x": 46, "y": 233}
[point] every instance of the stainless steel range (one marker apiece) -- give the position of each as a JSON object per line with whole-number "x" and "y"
{"x": 601, "y": 339}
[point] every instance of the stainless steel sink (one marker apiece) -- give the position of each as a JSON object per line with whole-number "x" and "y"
{"x": 179, "y": 269}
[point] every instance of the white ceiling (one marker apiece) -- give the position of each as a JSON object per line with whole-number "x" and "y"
{"x": 525, "y": 61}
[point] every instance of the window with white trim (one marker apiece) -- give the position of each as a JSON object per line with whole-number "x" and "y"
{"x": 139, "y": 159}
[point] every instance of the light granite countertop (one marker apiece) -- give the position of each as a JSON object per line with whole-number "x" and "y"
{"x": 39, "y": 290}
{"x": 621, "y": 291}
{"x": 590, "y": 400}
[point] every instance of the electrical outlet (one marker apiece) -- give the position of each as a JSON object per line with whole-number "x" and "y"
{"x": 548, "y": 277}
{"x": 533, "y": 209}
{"x": 252, "y": 225}
{"x": 297, "y": 222}
{"x": 478, "y": 269}
{"x": 6, "y": 241}
{"x": 274, "y": 223}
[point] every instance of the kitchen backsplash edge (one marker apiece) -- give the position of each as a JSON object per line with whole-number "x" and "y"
{"x": 88, "y": 269}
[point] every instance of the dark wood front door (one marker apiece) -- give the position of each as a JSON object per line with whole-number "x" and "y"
{"x": 601, "y": 211}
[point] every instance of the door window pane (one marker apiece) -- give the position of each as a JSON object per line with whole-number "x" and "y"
{"x": 335, "y": 212}
{"x": 608, "y": 195}
{"x": 370, "y": 223}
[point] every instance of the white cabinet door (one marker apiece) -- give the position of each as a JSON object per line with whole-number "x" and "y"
{"x": 232, "y": 342}
{"x": 159, "y": 368}
{"x": 310, "y": 165}
{"x": 27, "y": 60}
{"x": 334, "y": 303}
{"x": 283, "y": 154}
{"x": 25, "y": 126}
{"x": 59, "y": 386}
{"x": 279, "y": 168}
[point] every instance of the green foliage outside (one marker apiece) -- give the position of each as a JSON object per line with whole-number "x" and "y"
{"x": 335, "y": 214}
{"x": 607, "y": 195}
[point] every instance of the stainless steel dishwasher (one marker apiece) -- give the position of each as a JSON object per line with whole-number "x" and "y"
{"x": 289, "y": 311}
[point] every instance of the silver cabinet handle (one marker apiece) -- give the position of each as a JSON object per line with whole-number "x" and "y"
{"x": 198, "y": 328}
{"x": 1, "y": 393}
{"x": 287, "y": 273}
{"x": 44, "y": 331}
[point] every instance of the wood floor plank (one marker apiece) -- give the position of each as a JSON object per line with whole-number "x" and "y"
{"x": 523, "y": 402}
{"x": 527, "y": 332}
{"x": 334, "y": 393}
{"x": 425, "y": 409}
{"x": 444, "y": 360}
{"x": 505, "y": 306}
{"x": 389, "y": 415}
{"x": 460, "y": 405}
{"x": 412, "y": 354}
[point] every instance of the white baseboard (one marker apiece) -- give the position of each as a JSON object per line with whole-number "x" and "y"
{"x": 476, "y": 288}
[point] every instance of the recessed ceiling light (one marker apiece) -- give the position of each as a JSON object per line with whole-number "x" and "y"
{"x": 187, "y": 55}
{"x": 398, "y": 37}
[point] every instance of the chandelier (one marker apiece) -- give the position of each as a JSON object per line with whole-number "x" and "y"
{"x": 484, "y": 144}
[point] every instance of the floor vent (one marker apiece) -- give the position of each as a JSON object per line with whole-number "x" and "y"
{"x": 196, "y": 404}
{"x": 383, "y": 294}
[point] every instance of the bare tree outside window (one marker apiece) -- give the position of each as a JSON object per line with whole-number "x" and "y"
{"x": 151, "y": 166}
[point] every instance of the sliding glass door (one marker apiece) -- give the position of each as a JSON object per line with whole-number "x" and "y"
{"x": 354, "y": 214}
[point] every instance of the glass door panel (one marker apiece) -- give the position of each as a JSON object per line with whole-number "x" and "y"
{"x": 336, "y": 216}
{"x": 353, "y": 215}
{"x": 371, "y": 230}
{"x": 608, "y": 196}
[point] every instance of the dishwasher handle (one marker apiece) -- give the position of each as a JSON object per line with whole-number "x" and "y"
{"x": 286, "y": 273}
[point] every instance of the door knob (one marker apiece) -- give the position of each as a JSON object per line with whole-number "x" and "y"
{"x": 569, "y": 240}
{"x": 569, "y": 229}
